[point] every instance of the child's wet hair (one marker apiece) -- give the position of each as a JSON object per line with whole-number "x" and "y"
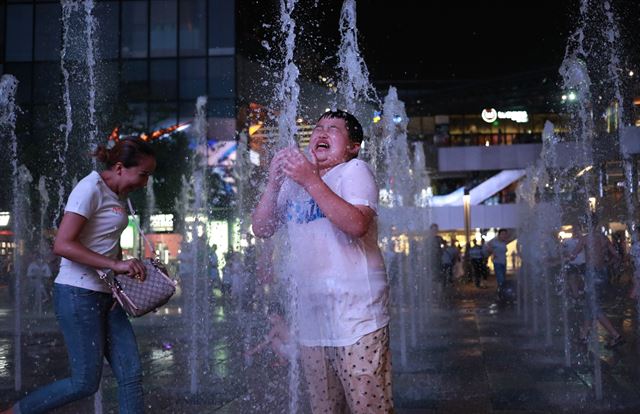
{"x": 353, "y": 125}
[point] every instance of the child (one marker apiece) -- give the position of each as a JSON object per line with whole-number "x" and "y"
{"x": 328, "y": 202}
{"x": 278, "y": 337}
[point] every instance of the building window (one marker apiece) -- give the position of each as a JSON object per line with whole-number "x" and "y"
{"x": 48, "y": 31}
{"x": 106, "y": 13}
{"x": 137, "y": 116}
{"x": 193, "y": 76}
{"x": 221, "y": 27}
{"x": 46, "y": 85}
{"x": 221, "y": 77}
{"x": 2, "y": 43}
{"x": 221, "y": 108}
{"x": 193, "y": 25}
{"x": 163, "y": 28}
{"x": 162, "y": 115}
{"x": 163, "y": 83}
{"x": 19, "y": 33}
{"x": 134, "y": 29}
{"x": 135, "y": 77}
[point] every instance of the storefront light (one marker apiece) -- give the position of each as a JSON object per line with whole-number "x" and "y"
{"x": 5, "y": 216}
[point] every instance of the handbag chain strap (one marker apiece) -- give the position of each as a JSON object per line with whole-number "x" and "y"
{"x": 133, "y": 216}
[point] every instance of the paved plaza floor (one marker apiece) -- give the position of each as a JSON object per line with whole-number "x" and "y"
{"x": 467, "y": 353}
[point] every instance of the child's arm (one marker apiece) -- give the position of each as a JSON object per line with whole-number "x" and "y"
{"x": 257, "y": 348}
{"x": 264, "y": 219}
{"x": 354, "y": 220}
{"x": 267, "y": 340}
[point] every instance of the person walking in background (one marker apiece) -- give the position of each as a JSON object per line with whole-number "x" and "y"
{"x": 599, "y": 251}
{"x": 39, "y": 273}
{"x": 496, "y": 248}
{"x": 434, "y": 245}
{"x": 575, "y": 268}
{"x": 449, "y": 259}
{"x": 93, "y": 324}
{"x": 476, "y": 256}
{"x": 328, "y": 204}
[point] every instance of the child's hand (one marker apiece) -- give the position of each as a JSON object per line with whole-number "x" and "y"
{"x": 276, "y": 168}
{"x": 300, "y": 169}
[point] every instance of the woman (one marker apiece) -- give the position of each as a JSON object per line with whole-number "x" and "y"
{"x": 93, "y": 325}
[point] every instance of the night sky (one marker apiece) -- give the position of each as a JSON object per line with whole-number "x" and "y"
{"x": 437, "y": 45}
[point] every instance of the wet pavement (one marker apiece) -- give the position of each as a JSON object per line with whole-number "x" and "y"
{"x": 469, "y": 353}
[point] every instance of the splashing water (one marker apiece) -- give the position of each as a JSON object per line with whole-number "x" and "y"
{"x": 90, "y": 28}
{"x": 68, "y": 7}
{"x": 288, "y": 91}
{"x": 8, "y": 108}
{"x": 150, "y": 204}
{"x": 44, "y": 205}
{"x": 396, "y": 149}
{"x": 354, "y": 86}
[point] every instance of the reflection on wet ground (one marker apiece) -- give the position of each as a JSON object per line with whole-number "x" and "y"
{"x": 473, "y": 355}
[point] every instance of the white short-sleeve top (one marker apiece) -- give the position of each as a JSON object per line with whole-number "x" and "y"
{"x": 106, "y": 219}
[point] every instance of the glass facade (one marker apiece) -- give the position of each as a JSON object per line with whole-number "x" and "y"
{"x": 155, "y": 57}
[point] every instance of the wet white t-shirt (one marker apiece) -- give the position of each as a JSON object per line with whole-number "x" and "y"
{"x": 342, "y": 289}
{"x": 106, "y": 219}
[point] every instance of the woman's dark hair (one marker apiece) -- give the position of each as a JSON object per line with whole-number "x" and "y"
{"x": 353, "y": 125}
{"x": 128, "y": 151}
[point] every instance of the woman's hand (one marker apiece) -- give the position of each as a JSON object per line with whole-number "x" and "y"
{"x": 133, "y": 268}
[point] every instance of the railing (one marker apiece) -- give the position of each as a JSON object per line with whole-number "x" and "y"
{"x": 479, "y": 139}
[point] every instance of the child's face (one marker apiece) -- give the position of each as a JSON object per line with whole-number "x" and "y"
{"x": 330, "y": 143}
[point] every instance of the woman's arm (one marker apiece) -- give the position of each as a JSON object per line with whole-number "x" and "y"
{"x": 68, "y": 246}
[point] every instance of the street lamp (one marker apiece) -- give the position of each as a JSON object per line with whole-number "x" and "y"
{"x": 466, "y": 203}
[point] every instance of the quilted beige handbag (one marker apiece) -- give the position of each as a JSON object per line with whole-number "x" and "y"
{"x": 138, "y": 297}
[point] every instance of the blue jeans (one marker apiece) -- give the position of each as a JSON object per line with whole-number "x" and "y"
{"x": 92, "y": 331}
{"x": 501, "y": 273}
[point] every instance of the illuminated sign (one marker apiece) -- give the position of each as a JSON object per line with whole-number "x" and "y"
{"x": 490, "y": 115}
{"x": 5, "y": 216}
{"x": 128, "y": 236}
{"x": 161, "y": 222}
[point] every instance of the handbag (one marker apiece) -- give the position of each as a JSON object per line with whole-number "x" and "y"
{"x": 139, "y": 297}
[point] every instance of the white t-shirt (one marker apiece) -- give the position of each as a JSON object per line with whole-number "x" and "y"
{"x": 342, "y": 289}
{"x": 106, "y": 219}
